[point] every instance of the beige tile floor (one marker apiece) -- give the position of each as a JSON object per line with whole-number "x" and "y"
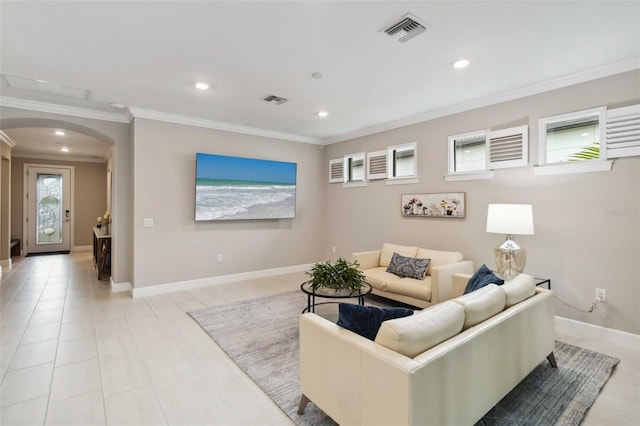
{"x": 74, "y": 353}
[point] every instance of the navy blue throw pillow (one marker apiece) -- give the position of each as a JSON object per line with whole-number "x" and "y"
{"x": 366, "y": 320}
{"x": 481, "y": 278}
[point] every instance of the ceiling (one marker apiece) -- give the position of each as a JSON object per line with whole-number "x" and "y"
{"x": 148, "y": 55}
{"x": 42, "y": 141}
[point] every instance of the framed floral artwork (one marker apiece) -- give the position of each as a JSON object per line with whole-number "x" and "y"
{"x": 446, "y": 205}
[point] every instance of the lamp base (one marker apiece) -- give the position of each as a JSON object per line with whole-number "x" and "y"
{"x": 510, "y": 259}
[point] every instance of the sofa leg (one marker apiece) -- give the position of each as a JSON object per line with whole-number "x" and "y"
{"x": 552, "y": 360}
{"x": 303, "y": 404}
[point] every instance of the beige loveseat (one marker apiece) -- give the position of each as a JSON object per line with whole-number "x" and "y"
{"x": 445, "y": 365}
{"x": 435, "y": 288}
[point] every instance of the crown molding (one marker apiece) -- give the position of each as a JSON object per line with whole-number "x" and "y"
{"x": 218, "y": 125}
{"x": 509, "y": 95}
{"x": 127, "y": 115}
{"x": 5, "y": 101}
{"x": 6, "y": 139}
{"x": 57, "y": 157}
{"x": 132, "y": 112}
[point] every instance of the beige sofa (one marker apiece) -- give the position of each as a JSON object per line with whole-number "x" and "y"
{"x": 435, "y": 288}
{"x": 445, "y": 365}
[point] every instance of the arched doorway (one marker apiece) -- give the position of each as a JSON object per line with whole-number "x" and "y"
{"x": 49, "y": 151}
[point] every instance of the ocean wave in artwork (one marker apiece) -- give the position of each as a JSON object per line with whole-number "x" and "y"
{"x": 228, "y": 200}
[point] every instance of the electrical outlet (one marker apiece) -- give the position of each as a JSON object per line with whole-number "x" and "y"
{"x": 333, "y": 249}
{"x": 219, "y": 257}
{"x": 601, "y": 295}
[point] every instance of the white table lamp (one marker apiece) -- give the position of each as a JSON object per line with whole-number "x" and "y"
{"x": 510, "y": 219}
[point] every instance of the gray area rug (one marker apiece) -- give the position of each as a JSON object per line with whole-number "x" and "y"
{"x": 261, "y": 337}
{"x": 549, "y": 396}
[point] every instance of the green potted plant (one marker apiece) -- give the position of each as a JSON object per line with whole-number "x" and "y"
{"x": 340, "y": 276}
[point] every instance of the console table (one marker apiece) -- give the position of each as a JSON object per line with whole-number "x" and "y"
{"x": 102, "y": 254}
{"x": 15, "y": 247}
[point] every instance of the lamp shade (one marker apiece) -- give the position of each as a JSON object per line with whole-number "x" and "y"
{"x": 510, "y": 219}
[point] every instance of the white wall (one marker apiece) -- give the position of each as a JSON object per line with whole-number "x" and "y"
{"x": 179, "y": 249}
{"x": 579, "y": 242}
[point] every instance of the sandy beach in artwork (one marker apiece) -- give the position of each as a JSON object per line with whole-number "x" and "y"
{"x": 218, "y": 199}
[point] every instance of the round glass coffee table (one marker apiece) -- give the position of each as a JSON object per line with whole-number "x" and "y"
{"x": 329, "y": 293}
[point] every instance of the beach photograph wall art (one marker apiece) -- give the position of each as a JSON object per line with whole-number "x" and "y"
{"x": 236, "y": 188}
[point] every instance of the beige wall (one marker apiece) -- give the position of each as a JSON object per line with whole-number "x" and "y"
{"x": 587, "y": 226}
{"x": 179, "y": 249}
{"x": 90, "y": 196}
{"x": 5, "y": 201}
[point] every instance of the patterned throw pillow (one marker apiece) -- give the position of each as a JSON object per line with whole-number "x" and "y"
{"x": 410, "y": 267}
{"x": 482, "y": 277}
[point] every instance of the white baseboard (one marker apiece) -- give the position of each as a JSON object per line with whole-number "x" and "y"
{"x": 222, "y": 279}
{"x": 120, "y": 287}
{"x": 81, "y": 248}
{"x": 591, "y": 331}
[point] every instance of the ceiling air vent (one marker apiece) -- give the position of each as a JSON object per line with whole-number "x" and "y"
{"x": 47, "y": 86}
{"x": 275, "y": 99}
{"x": 408, "y": 27}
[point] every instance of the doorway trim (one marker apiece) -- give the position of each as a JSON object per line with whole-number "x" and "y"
{"x": 25, "y": 202}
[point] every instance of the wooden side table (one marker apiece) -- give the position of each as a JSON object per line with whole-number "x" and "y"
{"x": 102, "y": 254}
{"x": 15, "y": 247}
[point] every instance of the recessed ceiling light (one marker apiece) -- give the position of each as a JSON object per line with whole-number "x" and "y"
{"x": 323, "y": 114}
{"x": 202, "y": 86}
{"x": 64, "y": 149}
{"x": 60, "y": 133}
{"x": 461, "y": 63}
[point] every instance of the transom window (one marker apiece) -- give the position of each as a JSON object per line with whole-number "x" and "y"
{"x": 571, "y": 137}
{"x": 354, "y": 165}
{"x": 402, "y": 161}
{"x": 468, "y": 152}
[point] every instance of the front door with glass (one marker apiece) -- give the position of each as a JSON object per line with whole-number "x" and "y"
{"x": 48, "y": 213}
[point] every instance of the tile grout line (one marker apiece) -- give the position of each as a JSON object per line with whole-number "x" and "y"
{"x": 144, "y": 364}
{"x": 89, "y": 275}
{"x": 22, "y": 285}
{"x": 24, "y": 332}
{"x": 55, "y": 358}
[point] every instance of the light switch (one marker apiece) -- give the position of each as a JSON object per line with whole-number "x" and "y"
{"x": 148, "y": 222}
